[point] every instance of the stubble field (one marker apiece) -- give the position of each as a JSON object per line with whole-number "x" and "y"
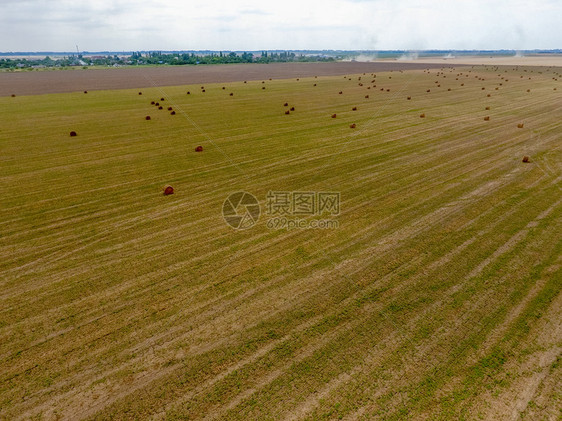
{"x": 436, "y": 297}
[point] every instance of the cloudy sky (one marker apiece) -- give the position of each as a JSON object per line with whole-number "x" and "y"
{"x": 116, "y": 25}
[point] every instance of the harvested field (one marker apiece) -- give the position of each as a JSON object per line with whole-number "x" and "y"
{"x": 60, "y": 81}
{"x": 437, "y": 294}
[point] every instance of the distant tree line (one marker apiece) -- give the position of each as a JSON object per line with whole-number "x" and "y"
{"x": 159, "y": 58}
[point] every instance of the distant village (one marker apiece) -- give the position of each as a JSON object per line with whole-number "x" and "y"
{"x": 30, "y": 62}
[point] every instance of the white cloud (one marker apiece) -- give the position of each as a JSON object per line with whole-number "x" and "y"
{"x": 290, "y": 24}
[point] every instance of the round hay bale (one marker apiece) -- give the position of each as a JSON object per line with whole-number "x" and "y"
{"x": 245, "y": 81}
{"x": 340, "y": 92}
{"x": 354, "y": 109}
{"x": 199, "y": 149}
{"x": 157, "y": 104}
{"x": 287, "y": 112}
{"x": 173, "y": 113}
{"x": 147, "y": 117}
{"x": 422, "y": 115}
{"x": 314, "y": 84}
{"x": 352, "y": 126}
{"x": 489, "y": 95}
{"x": 203, "y": 90}
{"x": 520, "y": 125}
{"x": 160, "y": 107}
{"x": 334, "y": 116}
{"x": 449, "y": 89}
{"x": 367, "y": 96}
{"x": 409, "y": 98}
{"x": 487, "y": 118}
{"x": 462, "y": 84}
{"x": 487, "y": 108}
{"x": 85, "y": 92}
{"x": 429, "y": 90}
{"x": 388, "y": 90}
{"x": 140, "y": 93}
{"x": 223, "y": 88}
{"x": 73, "y": 133}
{"x": 168, "y": 190}
{"x": 263, "y": 87}
{"x": 526, "y": 159}
{"x": 169, "y": 108}
{"x": 528, "y": 90}
{"x": 162, "y": 99}
{"x": 151, "y": 102}
{"x": 286, "y": 104}
{"x": 188, "y": 93}
{"x": 231, "y": 94}
{"x": 292, "y": 108}
{"x": 13, "y": 95}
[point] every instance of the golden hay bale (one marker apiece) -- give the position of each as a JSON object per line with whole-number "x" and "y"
{"x": 286, "y": 104}
{"x": 462, "y": 84}
{"x": 188, "y": 93}
{"x": 526, "y": 159}
{"x": 140, "y": 93}
{"x": 162, "y": 99}
{"x": 487, "y": 118}
{"x": 85, "y": 92}
{"x": 287, "y": 112}
{"x": 13, "y": 95}
{"x": 334, "y": 116}
{"x": 341, "y": 92}
{"x": 409, "y": 98}
{"x": 292, "y": 108}
{"x": 449, "y": 89}
{"x": 169, "y": 108}
{"x": 203, "y": 90}
{"x": 151, "y": 102}
{"x": 147, "y": 117}
{"x": 352, "y": 126}
{"x": 199, "y": 149}
{"x": 314, "y": 84}
{"x": 157, "y": 104}
{"x": 429, "y": 90}
{"x": 520, "y": 125}
{"x": 231, "y": 94}
{"x": 160, "y": 107}
{"x": 168, "y": 190}
{"x": 487, "y": 108}
{"x": 263, "y": 87}
{"x": 528, "y": 90}
{"x": 73, "y": 133}
{"x": 367, "y": 96}
{"x": 223, "y": 88}
{"x": 422, "y": 115}
{"x": 354, "y": 109}
{"x": 388, "y": 90}
{"x": 173, "y": 113}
